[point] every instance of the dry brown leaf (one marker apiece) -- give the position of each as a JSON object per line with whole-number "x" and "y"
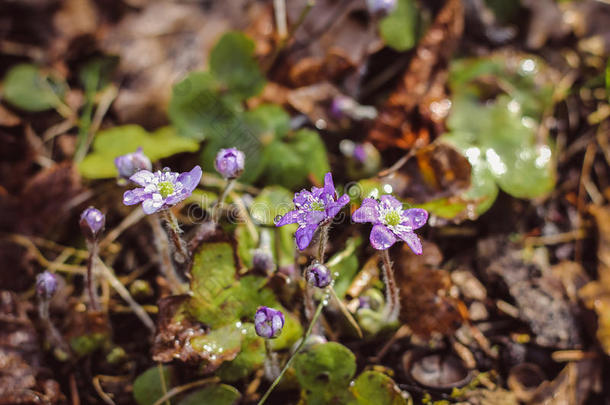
{"x": 418, "y": 107}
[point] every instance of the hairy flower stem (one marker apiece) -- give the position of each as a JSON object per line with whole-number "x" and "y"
{"x": 90, "y": 282}
{"x": 392, "y": 306}
{"x": 165, "y": 258}
{"x": 181, "y": 254}
{"x": 221, "y": 200}
{"x": 62, "y": 351}
{"x": 323, "y": 242}
{"x": 272, "y": 366}
{"x": 297, "y": 351}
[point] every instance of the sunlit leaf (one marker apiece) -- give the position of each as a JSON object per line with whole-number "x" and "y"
{"x": 116, "y": 141}
{"x": 373, "y": 387}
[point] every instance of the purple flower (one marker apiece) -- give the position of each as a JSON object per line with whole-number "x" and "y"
{"x": 92, "y": 222}
{"x": 46, "y": 285}
{"x": 131, "y": 163}
{"x": 162, "y": 189}
{"x": 268, "y": 322}
{"x": 230, "y": 163}
{"x": 390, "y": 222}
{"x": 312, "y": 208}
{"x": 318, "y": 275}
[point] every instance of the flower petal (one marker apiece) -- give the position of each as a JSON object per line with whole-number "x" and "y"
{"x": 391, "y": 201}
{"x": 143, "y": 178}
{"x": 190, "y": 180}
{"x": 135, "y": 196}
{"x": 300, "y": 198}
{"x": 413, "y": 241}
{"x": 288, "y": 218}
{"x": 329, "y": 186}
{"x": 381, "y": 237}
{"x": 149, "y": 206}
{"x": 368, "y": 211}
{"x": 333, "y": 208}
{"x": 415, "y": 218}
{"x": 304, "y": 235}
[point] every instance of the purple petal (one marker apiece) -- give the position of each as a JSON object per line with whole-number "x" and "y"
{"x": 329, "y": 187}
{"x": 150, "y": 207}
{"x": 413, "y": 242}
{"x": 288, "y": 218}
{"x": 368, "y": 212}
{"x": 142, "y": 178}
{"x": 191, "y": 179}
{"x": 381, "y": 237}
{"x": 135, "y": 196}
{"x": 304, "y": 235}
{"x": 300, "y": 198}
{"x": 391, "y": 201}
{"x": 314, "y": 217}
{"x": 333, "y": 208}
{"x": 176, "y": 198}
{"x": 317, "y": 192}
{"x": 415, "y": 218}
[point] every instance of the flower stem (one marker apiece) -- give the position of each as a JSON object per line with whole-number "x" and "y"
{"x": 55, "y": 338}
{"x": 392, "y": 308}
{"x": 221, "y": 200}
{"x": 90, "y": 282}
{"x": 297, "y": 351}
{"x": 166, "y": 264}
{"x": 181, "y": 254}
{"x": 323, "y": 242}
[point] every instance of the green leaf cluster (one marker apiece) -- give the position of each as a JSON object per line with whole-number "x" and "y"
{"x": 210, "y": 106}
{"x": 325, "y": 374}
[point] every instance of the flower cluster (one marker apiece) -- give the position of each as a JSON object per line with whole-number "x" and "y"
{"x": 313, "y": 208}
{"x": 162, "y": 189}
{"x": 391, "y": 222}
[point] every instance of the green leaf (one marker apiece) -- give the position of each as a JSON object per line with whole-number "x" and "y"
{"x": 232, "y": 62}
{"x": 219, "y": 344}
{"x": 375, "y": 388}
{"x": 399, "y": 29}
{"x": 198, "y": 111}
{"x": 26, "y": 87}
{"x": 291, "y": 161}
{"x": 326, "y": 367}
{"x": 117, "y": 141}
{"x": 251, "y": 131}
{"x": 271, "y": 202}
{"x": 251, "y": 357}
{"x": 213, "y": 395}
{"x": 95, "y": 74}
{"x": 148, "y": 386}
{"x": 501, "y": 143}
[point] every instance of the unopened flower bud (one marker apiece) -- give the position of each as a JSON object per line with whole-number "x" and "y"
{"x": 268, "y": 322}
{"x": 318, "y": 275}
{"x": 131, "y": 163}
{"x": 92, "y": 222}
{"x": 262, "y": 259}
{"x": 230, "y": 163}
{"x": 381, "y": 7}
{"x": 46, "y": 285}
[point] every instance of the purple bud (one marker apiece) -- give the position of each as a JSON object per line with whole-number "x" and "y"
{"x": 360, "y": 153}
{"x": 318, "y": 275}
{"x": 262, "y": 259}
{"x": 268, "y": 322}
{"x": 92, "y": 222}
{"x": 230, "y": 163}
{"x": 131, "y": 163}
{"x": 339, "y": 105}
{"x": 381, "y": 7}
{"x": 46, "y": 285}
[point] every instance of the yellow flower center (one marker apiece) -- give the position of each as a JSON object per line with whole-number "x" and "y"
{"x": 392, "y": 218}
{"x": 165, "y": 188}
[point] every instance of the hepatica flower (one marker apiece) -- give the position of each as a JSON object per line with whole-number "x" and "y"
{"x": 131, "y": 163}
{"x": 230, "y": 162}
{"x": 268, "y": 322}
{"x": 391, "y": 222}
{"x": 313, "y": 208}
{"x": 162, "y": 189}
